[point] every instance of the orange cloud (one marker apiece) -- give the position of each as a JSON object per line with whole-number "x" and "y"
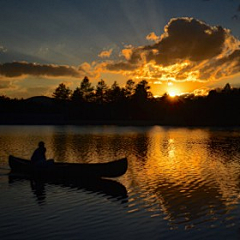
{"x": 105, "y": 54}
{"x": 188, "y": 50}
{"x": 5, "y": 84}
{"x": 127, "y": 53}
{"x": 152, "y": 37}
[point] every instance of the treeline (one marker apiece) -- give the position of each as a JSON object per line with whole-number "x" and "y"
{"x": 102, "y": 93}
{"x": 129, "y": 105}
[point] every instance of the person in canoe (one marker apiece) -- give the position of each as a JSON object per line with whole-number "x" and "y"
{"x": 39, "y": 156}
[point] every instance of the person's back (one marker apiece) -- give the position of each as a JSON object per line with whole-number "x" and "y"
{"x": 39, "y": 156}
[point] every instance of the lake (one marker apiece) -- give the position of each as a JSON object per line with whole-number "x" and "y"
{"x": 181, "y": 183}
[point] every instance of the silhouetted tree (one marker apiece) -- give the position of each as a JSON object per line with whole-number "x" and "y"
{"x": 77, "y": 95}
{"x": 4, "y": 98}
{"x": 101, "y": 90}
{"x": 142, "y": 92}
{"x": 227, "y": 88}
{"x": 84, "y": 93}
{"x": 115, "y": 93}
{"x": 129, "y": 88}
{"x": 62, "y": 92}
{"x": 134, "y": 102}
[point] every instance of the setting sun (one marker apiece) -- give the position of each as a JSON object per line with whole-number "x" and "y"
{"x": 172, "y": 93}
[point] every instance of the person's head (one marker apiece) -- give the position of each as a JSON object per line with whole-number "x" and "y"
{"x": 41, "y": 144}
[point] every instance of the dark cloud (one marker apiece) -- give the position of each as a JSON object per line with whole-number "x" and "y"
{"x": 187, "y": 38}
{"x": 190, "y": 46}
{"x": 122, "y": 66}
{"x": 188, "y": 50}
{"x": 225, "y": 66}
{"x": 184, "y": 38}
{"x": 18, "y": 69}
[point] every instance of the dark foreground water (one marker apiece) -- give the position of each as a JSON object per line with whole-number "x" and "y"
{"x": 181, "y": 184}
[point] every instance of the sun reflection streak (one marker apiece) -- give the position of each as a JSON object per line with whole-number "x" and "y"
{"x": 182, "y": 173}
{"x": 171, "y": 148}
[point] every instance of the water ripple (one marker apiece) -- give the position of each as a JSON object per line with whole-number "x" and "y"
{"x": 181, "y": 184}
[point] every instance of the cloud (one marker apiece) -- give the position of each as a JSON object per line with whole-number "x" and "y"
{"x": 188, "y": 50}
{"x": 223, "y": 67}
{"x": 187, "y": 39}
{"x": 152, "y": 37}
{"x": 5, "y": 84}
{"x": 121, "y": 65}
{"x": 127, "y": 53}
{"x": 201, "y": 91}
{"x": 19, "y": 69}
{"x": 105, "y": 54}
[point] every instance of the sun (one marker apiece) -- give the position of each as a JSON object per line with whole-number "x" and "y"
{"x": 172, "y": 93}
{"x": 173, "y": 90}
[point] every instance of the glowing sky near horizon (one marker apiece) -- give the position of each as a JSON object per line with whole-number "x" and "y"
{"x": 177, "y": 46}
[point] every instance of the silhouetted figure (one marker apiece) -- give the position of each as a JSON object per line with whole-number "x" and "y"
{"x": 39, "y": 158}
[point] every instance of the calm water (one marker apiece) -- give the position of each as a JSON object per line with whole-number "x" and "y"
{"x": 181, "y": 183}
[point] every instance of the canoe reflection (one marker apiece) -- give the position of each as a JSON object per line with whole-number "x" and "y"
{"x": 38, "y": 188}
{"x": 105, "y": 187}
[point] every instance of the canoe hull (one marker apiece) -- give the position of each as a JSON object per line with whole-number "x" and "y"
{"x": 70, "y": 170}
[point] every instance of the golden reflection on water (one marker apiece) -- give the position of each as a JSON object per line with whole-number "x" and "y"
{"x": 189, "y": 176}
{"x": 186, "y": 176}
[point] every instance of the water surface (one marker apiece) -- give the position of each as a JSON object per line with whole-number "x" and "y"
{"x": 181, "y": 183}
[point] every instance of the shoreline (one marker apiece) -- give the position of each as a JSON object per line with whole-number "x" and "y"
{"x": 137, "y": 123}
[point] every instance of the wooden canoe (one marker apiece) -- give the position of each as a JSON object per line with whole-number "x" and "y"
{"x": 70, "y": 170}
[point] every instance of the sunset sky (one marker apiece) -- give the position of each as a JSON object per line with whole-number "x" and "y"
{"x": 177, "y": 46}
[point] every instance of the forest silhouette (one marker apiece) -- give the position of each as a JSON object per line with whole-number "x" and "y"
{"x": 133, "y": 104}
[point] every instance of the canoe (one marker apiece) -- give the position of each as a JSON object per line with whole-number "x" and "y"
{"x": 70, "y": 170}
